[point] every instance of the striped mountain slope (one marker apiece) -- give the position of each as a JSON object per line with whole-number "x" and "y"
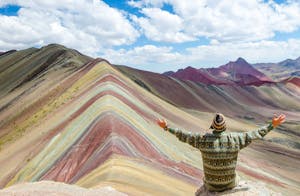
{"x": 96, "y": 127}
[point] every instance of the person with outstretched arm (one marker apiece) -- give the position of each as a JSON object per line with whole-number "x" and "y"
{"x": 220, "y": 149}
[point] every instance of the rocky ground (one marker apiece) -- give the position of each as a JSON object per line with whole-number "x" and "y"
{"x": 245, "y": 188}
{"x": 56, "y": 188}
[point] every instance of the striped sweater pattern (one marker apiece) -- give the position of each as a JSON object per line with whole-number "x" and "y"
{"x": 219, "y": 153}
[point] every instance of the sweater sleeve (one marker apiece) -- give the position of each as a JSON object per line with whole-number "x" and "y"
{"x": 244, "y": 139}
{"x": 192, "y": 139}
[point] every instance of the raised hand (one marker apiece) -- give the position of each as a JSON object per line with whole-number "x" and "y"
{"x": 277, "y": 120}
{"x": 162, "y": 123}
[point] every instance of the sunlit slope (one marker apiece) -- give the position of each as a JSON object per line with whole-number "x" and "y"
{"x": 98, "y": 128}
{"x": 102, "y": 117}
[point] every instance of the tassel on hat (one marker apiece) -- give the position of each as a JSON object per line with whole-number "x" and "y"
{"x": 219, "y": 122}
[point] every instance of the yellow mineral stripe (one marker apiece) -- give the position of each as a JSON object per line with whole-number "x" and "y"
{"x": 125, "y": 173}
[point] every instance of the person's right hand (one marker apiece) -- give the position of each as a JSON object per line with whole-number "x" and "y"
{"x": 278, "y": 120}
{"x": 162, "y": 123}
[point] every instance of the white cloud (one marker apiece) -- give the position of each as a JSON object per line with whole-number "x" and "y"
{"x": 145, "y": 3}
{"x": 89, "y": 26}
{"x": 233, "y": 28}
{"x": 160, "y": 25}
{"x": 148, "y": 57}
{"x": 222, "y": 20}
{"x": 253, "y": 52}
{"x": 160, "y": 59}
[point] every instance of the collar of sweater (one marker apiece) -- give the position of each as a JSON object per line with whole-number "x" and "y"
{"x": 218, "y": 133}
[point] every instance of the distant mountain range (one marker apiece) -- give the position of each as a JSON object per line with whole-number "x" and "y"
{"x": 281, "y": 70}
{"x": 240, "y": 72}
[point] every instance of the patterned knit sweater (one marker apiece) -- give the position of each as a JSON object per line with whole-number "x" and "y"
{"x": 219, "y": 153}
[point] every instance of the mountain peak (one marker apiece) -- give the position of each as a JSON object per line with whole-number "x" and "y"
{"x": 290, "y": 63}
{"x": 168, "y": 73}
{"x": 54, "y": 45}
{"x": 196, "y": 75}
{"x": 244, "y": 73}
{"x": 239, "y": 64}
{"x": 35, "y": 63}
{"x": 241, "y": 60}
{"x": 190, "y": 68}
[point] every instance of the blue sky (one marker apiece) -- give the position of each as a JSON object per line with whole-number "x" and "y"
{"x": 10, "y": 10}
{"x": 157, "y": 35}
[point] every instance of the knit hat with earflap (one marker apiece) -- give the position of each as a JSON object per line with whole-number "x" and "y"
{"x": 218, "y": 123}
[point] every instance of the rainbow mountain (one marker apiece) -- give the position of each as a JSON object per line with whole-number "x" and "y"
{"x": 68, "y": 118}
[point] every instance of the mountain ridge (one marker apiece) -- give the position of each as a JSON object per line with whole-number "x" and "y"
{"x": 16, "y": 68}
{"x": 238, "y": 72}
{"x": 281, "y": 70}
